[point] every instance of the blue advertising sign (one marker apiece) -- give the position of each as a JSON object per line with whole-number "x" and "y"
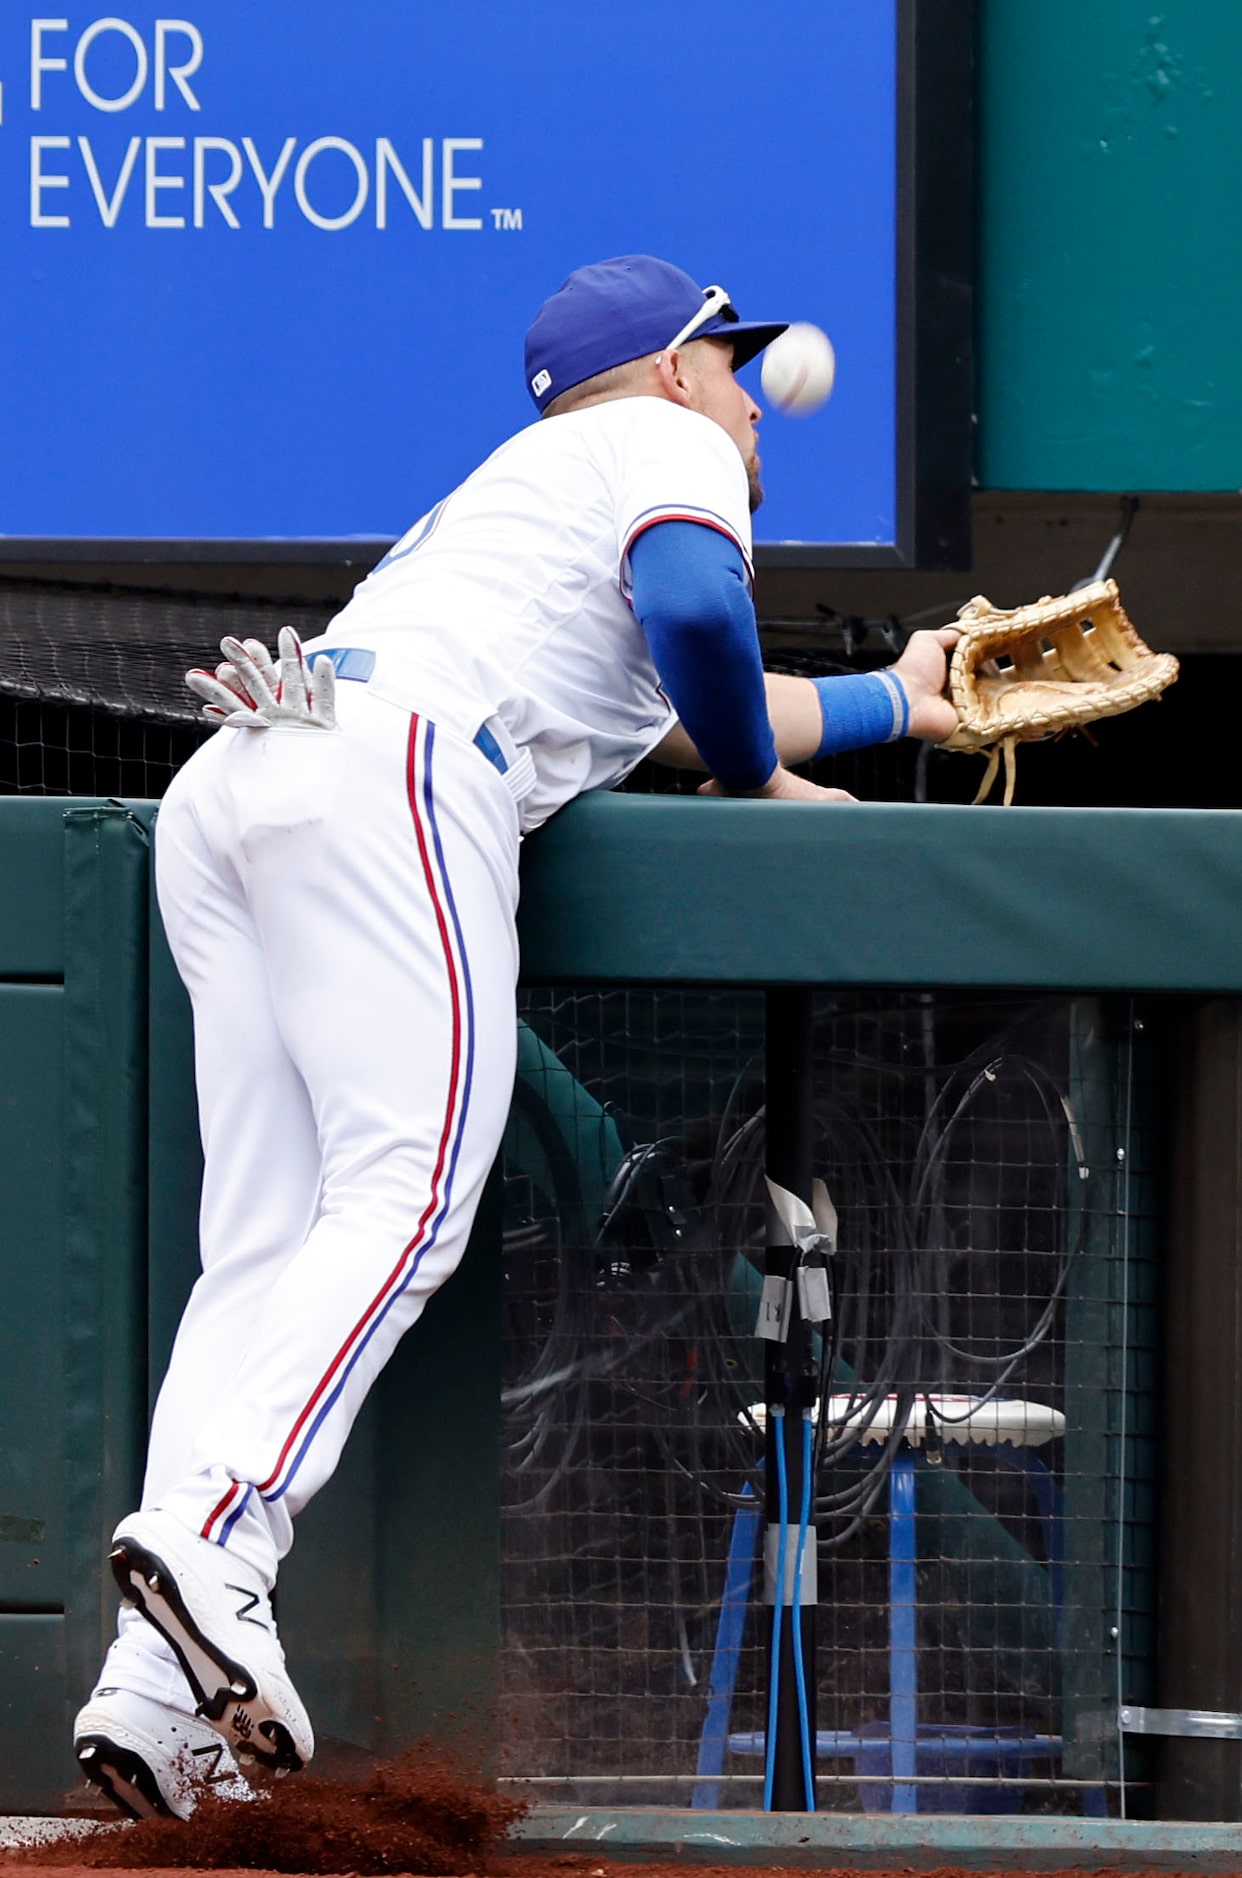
{"x": 267, "y": 268}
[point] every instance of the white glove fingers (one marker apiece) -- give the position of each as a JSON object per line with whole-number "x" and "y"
{"x": 230, "y": 673}
{"x": 323, "y": 693}
{"x": 263, "y": 660}
{"x": 252, "y": 675}
{"x": 294, "y": 693}
{"x": 214, "y": 690}
{"x": 229, "y": 676}
{"x": 248, "y": 691}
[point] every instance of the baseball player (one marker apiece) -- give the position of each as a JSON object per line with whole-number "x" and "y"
{"x": 337, "y": 874}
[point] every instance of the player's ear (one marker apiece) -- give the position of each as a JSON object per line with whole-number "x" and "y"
{"x": 674, "y": 371}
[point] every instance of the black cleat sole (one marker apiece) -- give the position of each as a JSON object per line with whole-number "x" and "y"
{"x": 123, "y": 1775}
{"x": 148, "y": 1583}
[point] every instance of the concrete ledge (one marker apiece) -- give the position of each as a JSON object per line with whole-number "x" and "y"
{"x": 882, "y": 1841}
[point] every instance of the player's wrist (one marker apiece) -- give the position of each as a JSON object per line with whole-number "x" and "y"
{"x": 932, "y": 718}
{"x": 771, "y": 787}
{"x": 923, "y": 670}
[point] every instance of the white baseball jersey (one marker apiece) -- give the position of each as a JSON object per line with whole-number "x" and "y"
{"x": 510, "y": 598}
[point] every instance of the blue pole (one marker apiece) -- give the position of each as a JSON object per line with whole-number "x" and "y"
{"x": 804, "y": 1522}
{"x": 771, "y": 1736}
{"x": 743, "y": 1544}
{"x": 790, "y": 1371}
{"x": 903, "y": 1699}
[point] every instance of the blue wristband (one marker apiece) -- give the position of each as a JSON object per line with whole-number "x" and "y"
{"x": 861, "y": 709}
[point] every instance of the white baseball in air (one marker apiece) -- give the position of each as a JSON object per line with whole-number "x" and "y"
{"x": 798, "y": 369}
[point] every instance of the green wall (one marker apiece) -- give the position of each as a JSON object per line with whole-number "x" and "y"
{"x": 1110, "y": 244}
{"x": 389, "y": 1603}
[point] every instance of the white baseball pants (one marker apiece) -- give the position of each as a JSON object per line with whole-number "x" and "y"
{"x": 341, "y": 908}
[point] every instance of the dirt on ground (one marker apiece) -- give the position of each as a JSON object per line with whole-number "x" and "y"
{"x": 570, "y": 1865}
{"x": 412, "y": 1816}
{"x": 409, "y": 1816}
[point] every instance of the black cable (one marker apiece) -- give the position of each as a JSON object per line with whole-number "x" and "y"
{"x": 895, "y": 1240}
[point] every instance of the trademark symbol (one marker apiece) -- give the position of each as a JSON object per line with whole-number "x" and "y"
{"x": 506, "y": 218}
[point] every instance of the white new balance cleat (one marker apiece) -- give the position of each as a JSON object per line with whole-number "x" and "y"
{"x": 215, "y": 1612}
{"x": 152, "y": 1759}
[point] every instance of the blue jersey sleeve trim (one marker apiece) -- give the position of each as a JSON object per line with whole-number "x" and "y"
{"x": 707, "y": 518}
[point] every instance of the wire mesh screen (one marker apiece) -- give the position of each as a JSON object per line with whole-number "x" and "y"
{"x": 92, "y": 693}
{"x": 989, "y": 1359}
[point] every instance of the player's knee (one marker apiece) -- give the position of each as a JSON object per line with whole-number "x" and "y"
{"x": 394, "y": 1195}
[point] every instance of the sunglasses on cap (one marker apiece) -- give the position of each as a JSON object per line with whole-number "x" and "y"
{"x": 716, "y": 305}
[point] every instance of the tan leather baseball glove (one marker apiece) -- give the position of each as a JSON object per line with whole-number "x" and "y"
{"x": 1036, "y": 671}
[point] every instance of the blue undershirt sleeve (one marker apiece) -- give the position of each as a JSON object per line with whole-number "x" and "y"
{"x": 690, "y": 595}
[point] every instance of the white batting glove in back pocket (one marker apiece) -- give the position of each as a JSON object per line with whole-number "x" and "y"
{"x": 249, "y": 691}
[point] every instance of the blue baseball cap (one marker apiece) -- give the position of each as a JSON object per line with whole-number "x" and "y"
{"x": 615, "y": 311}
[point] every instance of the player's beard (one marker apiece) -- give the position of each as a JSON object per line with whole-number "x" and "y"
{"x": 752, "y": 478}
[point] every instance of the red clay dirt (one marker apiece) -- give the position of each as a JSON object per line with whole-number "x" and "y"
{"x": 570, "y": 1865}
{"x": 412, "y": 1816}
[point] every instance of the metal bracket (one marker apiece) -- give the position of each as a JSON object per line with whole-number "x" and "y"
{"x": 814, "y": 1296}
{"x": 809, "y": 1587}
{"x": 774, "y": 1301}
{"x": 1210, "y": 1724}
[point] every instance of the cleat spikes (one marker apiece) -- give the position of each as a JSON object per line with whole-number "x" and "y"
{"x": 201, "y": 1601}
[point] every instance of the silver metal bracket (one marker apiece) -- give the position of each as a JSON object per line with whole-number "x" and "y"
{"x": 814, "y": 1296}
{"x": 774, "y": 1312}
{"x": 809, "y": 1586}
{"x": 1209, "y": 1724}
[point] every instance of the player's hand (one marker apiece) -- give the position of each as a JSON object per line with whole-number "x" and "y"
{"x": 923, "y": 669}
{"x": 250, "y": 692}
{"x": 783, "y": 786}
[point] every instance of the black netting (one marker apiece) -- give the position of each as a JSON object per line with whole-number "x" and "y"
{"x": 92, "y": 701}
{"x": 92, "y": 692}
